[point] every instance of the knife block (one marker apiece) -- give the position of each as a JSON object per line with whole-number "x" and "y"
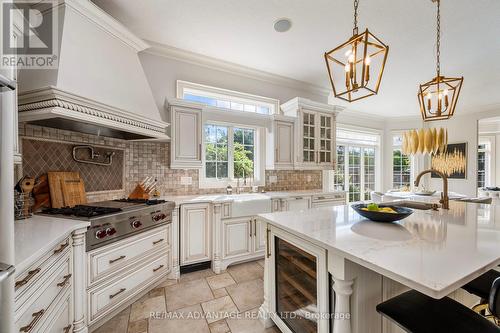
{"x": 139, "y": 192}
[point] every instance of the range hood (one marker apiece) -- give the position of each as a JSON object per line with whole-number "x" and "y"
{"x": 99, "y": 86}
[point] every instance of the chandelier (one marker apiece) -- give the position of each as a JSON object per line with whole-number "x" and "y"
{"x": 355, "y": 67}
{"x": 438, "y": 97}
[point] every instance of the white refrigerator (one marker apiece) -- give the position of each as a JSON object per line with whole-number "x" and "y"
{"x": 7, "y": 259}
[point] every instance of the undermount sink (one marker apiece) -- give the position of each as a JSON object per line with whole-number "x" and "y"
{"x": 250, "y": 204}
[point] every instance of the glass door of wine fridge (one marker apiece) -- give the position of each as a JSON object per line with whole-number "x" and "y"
{"x": 301, "y": 290}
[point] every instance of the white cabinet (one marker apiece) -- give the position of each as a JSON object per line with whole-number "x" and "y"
{"x": 186, "y": 135}
{"x": 314, "y": 133}
{"x": 237, "y": 237}
{"x": 296, "y": 203}
{"x": 196, "y": 234}
{"x": 283, "y": 144}
{"x": 259, "y": 236}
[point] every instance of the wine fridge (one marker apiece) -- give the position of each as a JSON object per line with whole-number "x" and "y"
{"x": 300, "y": 294}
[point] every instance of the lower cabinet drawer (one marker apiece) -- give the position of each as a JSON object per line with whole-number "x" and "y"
{"x": 62, "y": 321}
{"x": 112, "y": 258}
{"x": 37, "y": 310}
{"x": 104, "y": 298}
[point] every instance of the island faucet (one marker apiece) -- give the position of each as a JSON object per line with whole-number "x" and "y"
{"x": 445, "y": 200}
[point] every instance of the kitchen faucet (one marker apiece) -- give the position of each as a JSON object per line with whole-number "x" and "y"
{"x": 445, "y": 200}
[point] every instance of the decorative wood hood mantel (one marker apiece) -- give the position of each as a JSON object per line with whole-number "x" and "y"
{"x": 99, "y": 86}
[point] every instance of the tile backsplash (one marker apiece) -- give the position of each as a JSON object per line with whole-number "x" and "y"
{"x": 132, "y": 162}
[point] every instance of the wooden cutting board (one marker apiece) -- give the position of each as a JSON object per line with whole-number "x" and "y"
{"x": 41, "y": 193}
{"x": 56, "y": 180}
{"x": 73, "y": 192}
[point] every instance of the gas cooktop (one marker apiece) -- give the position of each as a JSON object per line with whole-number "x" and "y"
{"x": 81, "y": 211}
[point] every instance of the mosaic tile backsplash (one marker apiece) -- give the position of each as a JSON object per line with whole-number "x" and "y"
{"x": 140, "y": 159}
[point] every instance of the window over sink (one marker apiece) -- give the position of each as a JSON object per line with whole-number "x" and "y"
{"x": 226, "y": 99}
{"x": 231, "y": 153}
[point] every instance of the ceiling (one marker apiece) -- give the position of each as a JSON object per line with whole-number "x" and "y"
{"x": 242, "y": 32}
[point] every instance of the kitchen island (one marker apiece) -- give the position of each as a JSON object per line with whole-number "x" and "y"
{"x": 351, "y": 264}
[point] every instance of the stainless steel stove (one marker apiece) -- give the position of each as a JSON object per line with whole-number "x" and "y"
{"x": 111, "y": 221}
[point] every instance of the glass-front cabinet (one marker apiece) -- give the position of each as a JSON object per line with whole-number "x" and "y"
{"x": 315, "y": 133}
{"x": 297, "y": 299}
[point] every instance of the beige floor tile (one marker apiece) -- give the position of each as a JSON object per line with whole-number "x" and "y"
{"x": 247, "y": 295}
{"x": 196, "y": 275}
{"x": 169, "y": 282}
{"x": 117, "y": 324}
{"x": 218, "y": 327}
{"x": 189, "y": 293}
{"x": 143, "y": 308}
{"x": 261, "y": 262}
{"x": 140, "y": 326}
{"x": 219, "y": 308}
{"x": 187, "y": 320}
{"x": 160, "y": 291}
{"x": 219, "y": 292}
{"x": 246, "y": 272}
{"x": 248, "y": 322}
{"x": 220, "y": 281}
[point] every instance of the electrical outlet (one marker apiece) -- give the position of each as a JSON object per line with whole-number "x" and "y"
{"x": 186, "y": 180}
{"x": 273, "y": 179}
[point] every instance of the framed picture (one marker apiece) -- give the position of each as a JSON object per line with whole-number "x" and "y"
{"x": 456, "y": 153}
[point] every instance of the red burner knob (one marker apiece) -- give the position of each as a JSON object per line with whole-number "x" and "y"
{"x": 110, "y": 231}
{"x": 136, "y": 224}
{"x": 99, "y": 234}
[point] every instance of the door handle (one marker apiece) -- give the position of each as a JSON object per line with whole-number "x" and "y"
{"x": 255, "y": 227}
{"x": 251, "y": 224}
{"x": 268, "y": 243}
{"x": 117, "y": 259}
{"x": 117, "y": 293}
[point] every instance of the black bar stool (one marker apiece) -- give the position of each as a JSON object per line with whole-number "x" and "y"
{"x": 481, "y": 287}
{"x": 418, "y": 313}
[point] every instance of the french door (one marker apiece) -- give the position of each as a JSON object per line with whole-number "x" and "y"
{"x": 355, "y": 172}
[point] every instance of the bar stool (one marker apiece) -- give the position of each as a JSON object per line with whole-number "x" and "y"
{"x": 418, "y": 313}
{"x": 481, "y": 287}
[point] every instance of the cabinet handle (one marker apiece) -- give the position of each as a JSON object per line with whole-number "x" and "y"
{"x": 251, "y": 225}
{"x": 67, "y": 328}
{"x": 28, "y": 277}
{"x": 61, "y": 248}
{"x": 276, "y": 155}
{"x": 36, "y": 318}
{"x": 158, "y": 241}
{"x": 117, "y": 259}
{"x": 157, "y": 268}
{"x": 299, "y": 198}
{"x": 117, "y": 293}
{"x": 255, "y": 227}
{"x": 321, "y": 198}
{"x": 65, "y": 281}
{"x": 268, "y": 243}
{"x": 199, "y": 150}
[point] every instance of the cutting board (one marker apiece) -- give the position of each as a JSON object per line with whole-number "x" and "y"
{"x": 41, "y": 193}
{"x": 73, "y": 192}
{"x": 56, "y": 181}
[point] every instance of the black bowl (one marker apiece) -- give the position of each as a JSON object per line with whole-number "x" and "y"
{"x": 401, "y": 213}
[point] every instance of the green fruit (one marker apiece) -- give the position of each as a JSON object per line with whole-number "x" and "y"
{"x": 373, "y": 206}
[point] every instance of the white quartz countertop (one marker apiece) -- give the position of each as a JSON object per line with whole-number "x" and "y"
{"x": 35, "y": 236}
{"x": 434, "y": 252}
{"x": 220, "y": 197}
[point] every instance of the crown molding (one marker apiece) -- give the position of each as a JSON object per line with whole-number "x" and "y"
{"x": 232, "y": 68}
{"x": 106, "y": 22}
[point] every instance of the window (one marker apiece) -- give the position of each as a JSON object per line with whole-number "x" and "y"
{"x": 226, "y": 99}
{"x": 356, "y": 170}
{"x": 401, "y": 165}
{"x": 483, "y": 161}
{"x": 227, "y": 143}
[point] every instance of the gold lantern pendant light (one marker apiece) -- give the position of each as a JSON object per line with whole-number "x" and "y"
{"x": 438, "y": 97}
{"x": 355, "y": 68}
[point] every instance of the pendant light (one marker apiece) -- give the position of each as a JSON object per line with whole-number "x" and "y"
{"x": 438, "y": 97}
{"x": 355, "y": 67}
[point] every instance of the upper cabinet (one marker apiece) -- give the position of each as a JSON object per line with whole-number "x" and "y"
{"x": 280, "y": 150}
{"x": 314, "y": 133}
{"x": 186, "y": 134}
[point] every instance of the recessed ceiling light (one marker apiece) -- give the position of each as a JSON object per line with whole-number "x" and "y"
{"x": 282, "y": 25}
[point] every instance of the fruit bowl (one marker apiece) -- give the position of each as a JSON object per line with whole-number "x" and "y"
{"x": 383, "y": 215}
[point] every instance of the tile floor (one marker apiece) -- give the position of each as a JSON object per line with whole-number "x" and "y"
{"x": 200, "y": 302}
